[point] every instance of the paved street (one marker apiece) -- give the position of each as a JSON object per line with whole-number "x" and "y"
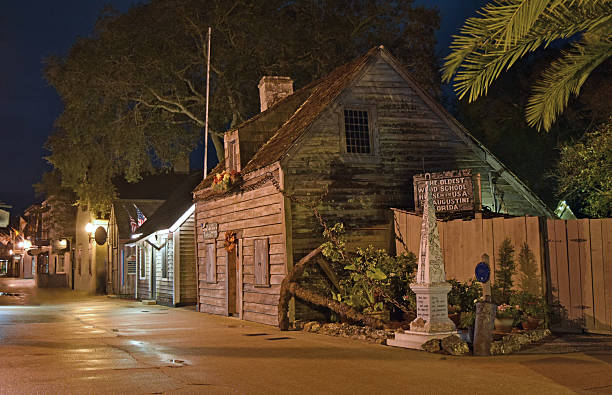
{"x": 55, "y": 342}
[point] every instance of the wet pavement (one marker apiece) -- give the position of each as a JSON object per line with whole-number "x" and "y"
{"x": 59, "y": 342}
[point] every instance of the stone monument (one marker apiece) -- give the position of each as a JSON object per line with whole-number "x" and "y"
{"x": 430, "y": 287}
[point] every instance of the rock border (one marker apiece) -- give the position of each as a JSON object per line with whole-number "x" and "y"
{"x": 452, "y": 345}
{"x": 364, "y": 333}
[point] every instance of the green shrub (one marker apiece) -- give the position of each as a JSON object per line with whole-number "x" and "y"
{"x": 371, "y": 279}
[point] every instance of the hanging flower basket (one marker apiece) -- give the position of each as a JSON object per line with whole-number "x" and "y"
{"x": 225, "y": 180}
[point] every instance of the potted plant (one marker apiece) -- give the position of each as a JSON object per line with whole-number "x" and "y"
{"x": 505, "y": 317}
{"x": 533, "y": 310}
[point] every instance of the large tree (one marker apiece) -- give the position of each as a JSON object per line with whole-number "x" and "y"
{"x": 507, "y": 30}
{"x": 134, "y": 92}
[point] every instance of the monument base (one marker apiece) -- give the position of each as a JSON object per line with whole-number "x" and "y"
{"x": 414, "y": 340}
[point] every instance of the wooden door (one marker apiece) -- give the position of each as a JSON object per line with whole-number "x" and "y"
{"x": 233, "y": 283}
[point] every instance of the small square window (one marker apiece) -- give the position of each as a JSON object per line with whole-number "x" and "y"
{"x": 357, "y": 132}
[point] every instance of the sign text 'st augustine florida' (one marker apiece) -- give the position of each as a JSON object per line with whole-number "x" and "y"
{"x": 450, "y": 190}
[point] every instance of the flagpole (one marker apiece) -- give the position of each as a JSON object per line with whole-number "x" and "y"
{"x": 206, "y": 121}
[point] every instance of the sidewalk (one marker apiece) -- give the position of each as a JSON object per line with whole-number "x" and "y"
{"x": 104, "y": 345}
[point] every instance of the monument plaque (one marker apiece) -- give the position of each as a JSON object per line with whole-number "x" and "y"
{"x": 450, "y": 190}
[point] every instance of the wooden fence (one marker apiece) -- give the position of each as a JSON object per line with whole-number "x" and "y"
{"x": 573, "y": 259}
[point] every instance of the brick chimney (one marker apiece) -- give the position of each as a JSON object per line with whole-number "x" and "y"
{"x": 181, "y": 165}
{"x": 273, "y": 89}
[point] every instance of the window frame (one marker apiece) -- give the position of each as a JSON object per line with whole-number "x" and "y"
{"x": 373, "y": 155}
{"x": 61, "y": 261}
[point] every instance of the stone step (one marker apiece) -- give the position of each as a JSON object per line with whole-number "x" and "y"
{"x": 149, "y": 302}
{"x": 414, "y": 340}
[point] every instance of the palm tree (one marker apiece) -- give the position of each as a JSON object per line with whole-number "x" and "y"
{"x": 507, "y": 30}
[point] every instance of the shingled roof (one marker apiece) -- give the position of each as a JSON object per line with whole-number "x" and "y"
{"x": 319, "y": 94}
{"x": 312, "y": 99}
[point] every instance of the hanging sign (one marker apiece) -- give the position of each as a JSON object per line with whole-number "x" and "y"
{"x": 451, "y": 190}
{"x": 210, "y": 230}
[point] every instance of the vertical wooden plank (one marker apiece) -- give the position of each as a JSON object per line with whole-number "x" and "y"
{"x": 598, "y": 270}
{"x": 606, "y": 233}
{"x": 574, "y": 275}
{"x": 453, "y": 249}
{"x": 533, "y": 239}
{"x": 563, "y": 272}
{"x": 488, "y": 245}
{"x": 415, "y": 233}
{"x": 584, "y": 247}
{"x": 498, "y": 237}
{"x": 515, "y": 228}
{"x": 472, "y": 242}
{"x": 553, "y": 289}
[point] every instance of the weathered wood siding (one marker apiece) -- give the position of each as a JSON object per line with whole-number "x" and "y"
{"x": 409, "y": 137}
{"x": 254, "y": 214}
{"x": 187, "y": 256}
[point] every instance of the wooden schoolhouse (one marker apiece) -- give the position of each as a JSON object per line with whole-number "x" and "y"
{"x": 349, "y": 144}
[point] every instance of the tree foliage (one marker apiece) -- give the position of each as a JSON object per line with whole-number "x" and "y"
{"x": 508, "y": 30}
{"x": 134, "y": 92}
{"x": 371, "y": 279}
{"x": 585, "y": 172}
{"x": 506, "y": 267}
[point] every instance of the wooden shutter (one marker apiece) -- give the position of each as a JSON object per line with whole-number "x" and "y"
{"x": 262, "y": 264}
{"x": 211, "y": 263}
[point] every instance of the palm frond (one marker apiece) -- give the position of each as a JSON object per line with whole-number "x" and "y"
{"x": 564, "y": 77}
{"x": 486, "y": 47}
{"x": 518, "y": 19}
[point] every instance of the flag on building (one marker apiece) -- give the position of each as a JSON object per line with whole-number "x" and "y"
{"x": 140, "y": 216}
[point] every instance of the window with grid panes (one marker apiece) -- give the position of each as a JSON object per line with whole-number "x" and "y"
{"x": 357, "y": 132}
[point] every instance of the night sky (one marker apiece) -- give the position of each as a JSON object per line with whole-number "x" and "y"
{"x": 32, "y": 30}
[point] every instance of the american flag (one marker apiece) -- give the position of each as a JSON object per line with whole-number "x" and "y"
{"x": 140, "y": 215}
